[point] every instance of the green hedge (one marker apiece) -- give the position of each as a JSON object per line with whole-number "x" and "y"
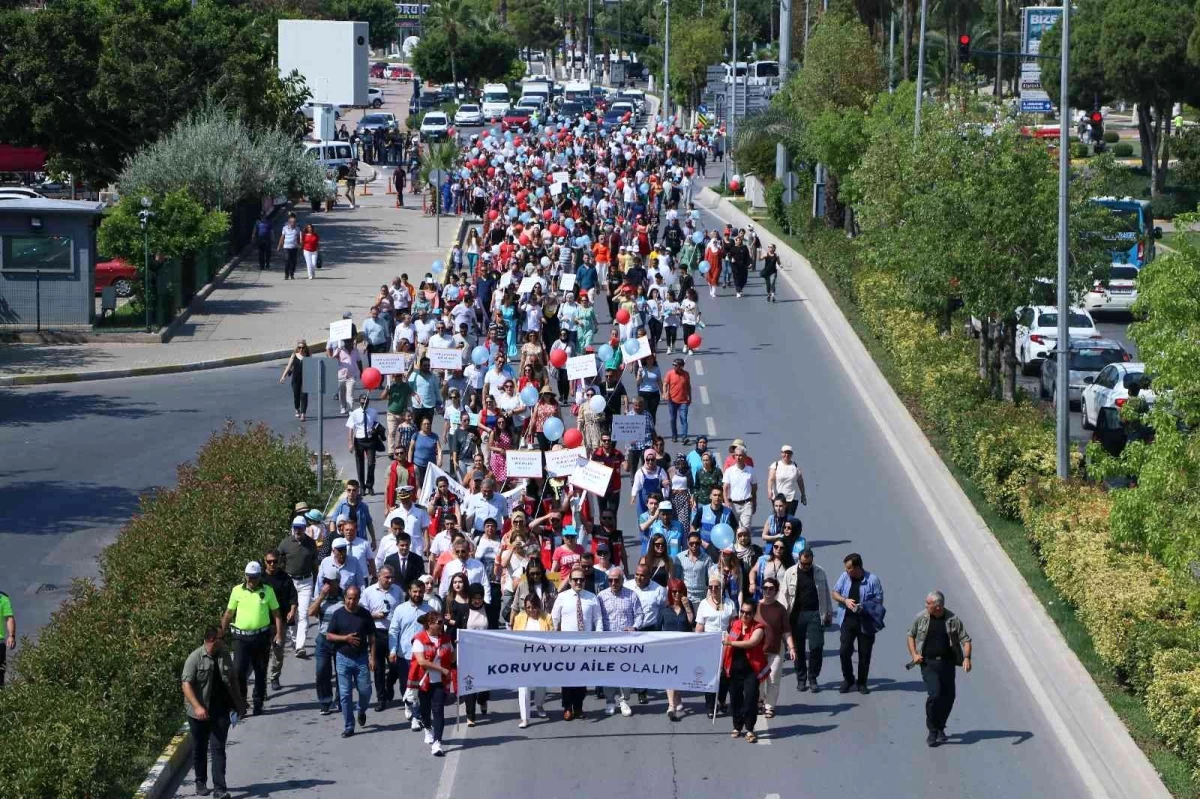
{"x": 98, "y": 694}
{"x": 1111, "y": 136}
{"x": 1122, "y": 150}
{"x": 1143, "y": 618}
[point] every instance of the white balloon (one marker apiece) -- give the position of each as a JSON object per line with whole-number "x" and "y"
{"x": 596, "y": 404}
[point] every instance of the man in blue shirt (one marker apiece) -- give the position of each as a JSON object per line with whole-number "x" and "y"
{"x": 406, "y": 623}
{"x": 659, "y": 518}
{"x": 859, "y": 597}
{"x": 427, "y": 393}
{"x": 375, "y": 332}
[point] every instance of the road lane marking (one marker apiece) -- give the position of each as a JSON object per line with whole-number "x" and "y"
{"x": 699, "y": 367}
{"x": 764, "y": 734}
{"x": 704, "y": 395}
{"x": 445, "y": 786}
{"x": 710, "y": 425}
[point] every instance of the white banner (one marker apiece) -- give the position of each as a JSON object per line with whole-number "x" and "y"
{"x": 444, "y": 358}
{"x": 523, "y": 463}
{"x": 566, "y": 282}
{"x": 497, "y": 659}
{"x": 390, "y": 363}
{"x": 556, "y": 189}
{"x": 564, "y": 462}
{"x": 629, "y": 428}
{"x": 592, "y": 476}
{"x": 432, "y": 473}
{"x": 341, "y": 329}
{"x": 526, "y": 285}
{"x": 561, "y": 177}
{"x": 581, "y": 367}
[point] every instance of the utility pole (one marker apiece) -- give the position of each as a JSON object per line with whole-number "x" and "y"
{"x": 591, "y": 54}
{"x": 920, "y": 71}
{"x": 664, "y": 110}
{"x": 999, "y": 90}
{"x": 1061, "y": 384}
{"x": 143, "y": 218}
{"x": 731, "y": 127}
{"x": 892, "y": 54}
{"x": 785, "y": 61}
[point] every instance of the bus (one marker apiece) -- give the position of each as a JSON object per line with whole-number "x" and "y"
{"x": 1133, "y": 241}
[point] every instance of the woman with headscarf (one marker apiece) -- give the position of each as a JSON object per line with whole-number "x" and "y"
{"x": 475, "y": 617}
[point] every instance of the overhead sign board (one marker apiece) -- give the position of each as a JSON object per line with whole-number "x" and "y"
{"x": 1036, "y": 23}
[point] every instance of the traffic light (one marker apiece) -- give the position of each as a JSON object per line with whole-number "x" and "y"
{"x": 964, "y": 48}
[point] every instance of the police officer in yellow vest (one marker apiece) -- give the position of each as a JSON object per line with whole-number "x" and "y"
{"x": 253, "y": 609}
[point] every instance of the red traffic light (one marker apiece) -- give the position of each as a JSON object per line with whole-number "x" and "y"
{"x": 1096, "y": 117}
{"x": 964, "y": 40}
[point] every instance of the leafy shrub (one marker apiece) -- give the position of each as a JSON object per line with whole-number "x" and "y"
{"x": 1122, "y": 150}
{"x": 1174, "y": 701}
{"x": 1167, "y": 205}
{"x": 1111, "y": 137}
{"x": 98, "y": 693}
{"x": 1080, "y": 151}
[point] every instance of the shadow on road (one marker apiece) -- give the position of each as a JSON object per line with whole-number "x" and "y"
{"x": 975, "y": 736}
{"x": 57, "y": 508}
{"x": 52, "y": 407}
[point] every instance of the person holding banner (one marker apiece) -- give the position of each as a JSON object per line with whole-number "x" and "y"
{"x": 744, "y": 664}
{"x": 714, "y": 614}
{"x": 502, "y": 439}
{"x": 432, "y": 675}
{"x": 475, "y": 616}
{"x": 534, "y": 619}
{"x": 576, "y": 610}
{"x": 533, "y": 583}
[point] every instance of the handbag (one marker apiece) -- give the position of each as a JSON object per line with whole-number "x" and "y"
{"x": 379, "y": 438}
{"x": 320, "y": 260}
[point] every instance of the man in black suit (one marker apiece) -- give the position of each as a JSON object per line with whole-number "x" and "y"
{"x": 406, "y": 565}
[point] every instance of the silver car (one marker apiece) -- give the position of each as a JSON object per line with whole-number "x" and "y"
{"x": 1087, "y": 358}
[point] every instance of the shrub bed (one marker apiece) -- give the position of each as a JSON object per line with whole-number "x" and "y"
{"x": 1143, "y": 618}
{"x": 97, "y": 695}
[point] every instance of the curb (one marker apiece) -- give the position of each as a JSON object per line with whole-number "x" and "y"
{"x": 175, "y": 759}
{"x": 1097, "y": 744}
{"x": 143, "y": 371}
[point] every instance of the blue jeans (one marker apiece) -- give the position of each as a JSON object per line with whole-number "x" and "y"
{"x": 352, "y": 672}
{"x": 324, "y": 665}
{"x": 679, "y": 418}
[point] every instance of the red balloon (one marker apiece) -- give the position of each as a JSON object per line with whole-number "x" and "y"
{"x": 524, "y": 239}
{"x": 484, "y": 135}
{"x": 691, "y": 170}
{"x": 371, "y": 378}
{"x": 547, "y": 214}
{"x": 492, "y": 214}
{"x": 694, "y": 341}
{"x": 572, "y": 438}
{"x": 558, "y": 358}
{"x": 623, "y": 316}
{"x": 517, "y": 141}
{"x": 621, "y": 184}
{"x": 491, "y": 172}
{"x": 734, "y": 185}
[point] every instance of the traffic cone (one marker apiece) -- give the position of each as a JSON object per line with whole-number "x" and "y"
{"x": 366, "y": 191}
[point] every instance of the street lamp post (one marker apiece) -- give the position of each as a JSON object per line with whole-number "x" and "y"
{"x": 920, "y": 71}
{"x": 1061, "y": 385}
{"x": 666, "y": 92}
{"x": 785, "y": 60}
{"x": 732, "y": 125}
{"x": 591, "y": 66}
{"x": 144, "y": 219}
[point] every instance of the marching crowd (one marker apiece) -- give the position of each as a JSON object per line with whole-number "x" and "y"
{"x": 503, "y": 351}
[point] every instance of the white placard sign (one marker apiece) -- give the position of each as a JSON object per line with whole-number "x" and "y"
{"x": 523, "y": 462}
{"x": 527, "y": 284}
{"x": 581, "y": 367}
{"x": 561, "y": 177}
{"x": 566, "y": 282}
{"x": 629, "y": 428}
{"x": 389, "y": 363}
{"x": 432, "y": 473}
{"x": 509, "y": 659}
{"x": 593, "y": 477}
{"x": 555, "y": 189}
{"x": 444, "y": 358}
{"x": 564, "y": 462}
{"x": 341, "y": 330}
{"x": 643, "y": 350}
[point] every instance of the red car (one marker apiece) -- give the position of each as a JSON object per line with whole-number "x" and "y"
{"x": 517, "y": 117}
{"x": 116, "y": 273}
{"x": 378, "y": 70}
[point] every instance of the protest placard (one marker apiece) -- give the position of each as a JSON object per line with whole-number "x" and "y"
{"x": 444, "y": 358}
{"x": 555, "y": 189}
{"x": 341, "y": 330}
{"x": 566, "y": 283}
{"x": 643, "y": 349}
{"x": 581, "y": 367}
{"x": 592, "y": 476}
{"x": 562, "y": 177}
{"x": 564, "y": 462}
{"x": 523, "y": 462}
{"x": 527, "y": 284}
{"x": 629, "y": 428}
{"x": 390, "y": 363}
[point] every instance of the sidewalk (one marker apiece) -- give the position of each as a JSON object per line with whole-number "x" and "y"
{"x": 255, "y": 315}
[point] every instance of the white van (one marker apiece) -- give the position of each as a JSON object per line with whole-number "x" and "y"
{"x": 575, "y": 91}
{"x": 495, "y": 101}
{"x": 331, "y": 155}
{"x": 537, "y": 88}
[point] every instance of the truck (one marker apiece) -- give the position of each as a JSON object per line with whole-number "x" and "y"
{"x": 495, "y": 101}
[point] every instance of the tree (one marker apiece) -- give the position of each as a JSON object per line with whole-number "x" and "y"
{"x": 454, "y": 18}
{"x": 380, "y": 16}
{"x": 486, "y": 54}
{"x": 534, "y": 24}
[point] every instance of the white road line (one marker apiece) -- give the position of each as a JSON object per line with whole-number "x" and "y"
{"x": 704, "y": 395}
{"x": 699, "y": 367}
{"x": 445, "y": 786}
{"x": 710, "y": 425}
{"x": 763, "y": 731}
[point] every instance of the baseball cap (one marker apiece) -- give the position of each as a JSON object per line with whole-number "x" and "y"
{"x": 299, "y": 521}
{"x": 405, "y": 489}
{"x": 602, "y": 549}
{"x": 786, "y": 448}
{"x": 570, "y": 531}
{"x": 340, "y": 543}
{"x": 253, "y": 568}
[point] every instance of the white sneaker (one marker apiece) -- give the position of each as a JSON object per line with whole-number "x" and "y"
{"x": 436, "y": 749}
{"x": 408, "y": 713}
{"x": 416, "y": 725}
{"x": 610, "y": 709}
{"x": 739, "y": 295}
{"x": 679, "y": 708}
{"x": 668, "y": 350}
{"x": 626, "y": 710}
{"x": 429, "y": 736}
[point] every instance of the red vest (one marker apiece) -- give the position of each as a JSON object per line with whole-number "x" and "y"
{"x": 418, "y": 677}
{"x": 757, "y": 655}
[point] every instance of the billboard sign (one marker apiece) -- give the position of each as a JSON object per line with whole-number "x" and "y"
{"x": 1036, "y": 22}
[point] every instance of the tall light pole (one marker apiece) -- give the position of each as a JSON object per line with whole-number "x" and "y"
{"x": 892, "y": 54}
{"x": 1061, "y": 384}
{"x": 591, "y": 65}
{"x": 920, "y": 71}
{"x": 785, "y": 61}
{"x": 666, "y": 89}
{"x": 144, "y": 219}
{"x": 729, "y": 128}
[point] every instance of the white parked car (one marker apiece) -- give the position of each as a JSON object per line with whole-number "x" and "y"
{"x": 435, "y": 125}
{"x": 1110, "y": 389}
{"x": 1037, "y": 332}
{"x": 1118, "y": 293}
{"x": 469, "y": 114}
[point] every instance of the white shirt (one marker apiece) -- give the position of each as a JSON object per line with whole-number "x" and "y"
{"x": 375, "y": 599}
{"x": 424, "y": 330}
{"x": 494, "y": 380}
{"x": 787, "y": 479}
{"x": 714, "y": 619}
{"x": 565, "y": 615}
{"x": 362, "y": 423}
{"x": 476, "y": 575}
{"x": 739, "y": 482}
{"x": 441, "y": 543}
{"x": 653, "y": 597}
{"x": 416, "y": 523}
{"x": 291, "y": 237}
{"x": 360, "y": 550}
{"x": 403, "y": 332}
{"x": 482, "y": 509}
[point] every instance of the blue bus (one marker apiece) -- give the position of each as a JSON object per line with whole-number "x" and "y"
{"x": 1133, "y": 241}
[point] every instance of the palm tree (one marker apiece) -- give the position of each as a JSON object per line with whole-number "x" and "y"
{"x": 441, "y": 157}
{"x": 455, "y": 17}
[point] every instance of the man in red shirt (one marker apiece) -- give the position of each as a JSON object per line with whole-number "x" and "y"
{"x": 677, "y": 385}
{"x": 613, "y": 458}
{"x": 731, "y": 458}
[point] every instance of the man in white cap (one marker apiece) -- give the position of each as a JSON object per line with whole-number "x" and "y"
{"x": 253, "y": 609}
{"x": 299, "y": 554}
{"x": 337, "y": 566}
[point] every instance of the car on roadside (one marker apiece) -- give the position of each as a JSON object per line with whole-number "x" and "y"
{"x": 1037, "y": 332}
{"x": 397, "y": 72}
{"x": 435, "y": 126}
{"x": 468, "y": 114}
{"x": 517, "y": 117}
{"x": 1086, "y": 358}
{"x": 307, "y": 111}
{"x": 378, "y": 70}
{"x": 376, "y": 122}
{"x": 1110, "y": 389}
{"x": 424, "y": 102}
{"x": 569, "y": 112}
{"x": 115, "y": 272}
{"x": 1115, "y": 294}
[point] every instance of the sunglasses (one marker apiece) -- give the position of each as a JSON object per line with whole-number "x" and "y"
{"x": 271, "y": 562}
{"x": 577, "y": 579}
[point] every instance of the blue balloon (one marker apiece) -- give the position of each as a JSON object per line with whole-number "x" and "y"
{"x": 479, "y": 355}
{"x": 525, "y": 217}
{"x": 630, "y": 346}
{"x": 697, "y": 237}
{"x": 437, "y": 267}
{"x": 644, "y": 188}
{"x": 539, "y": 192}
{"x": 569, "y": 224}
{"x": 605, "y": 352}
{"x": 721, "y": 536}
{"x": 798, "y": 547}
{"x": 512, "y": 212}
{"x": 529, "y": 395}
{"x": 552, "y": 428}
